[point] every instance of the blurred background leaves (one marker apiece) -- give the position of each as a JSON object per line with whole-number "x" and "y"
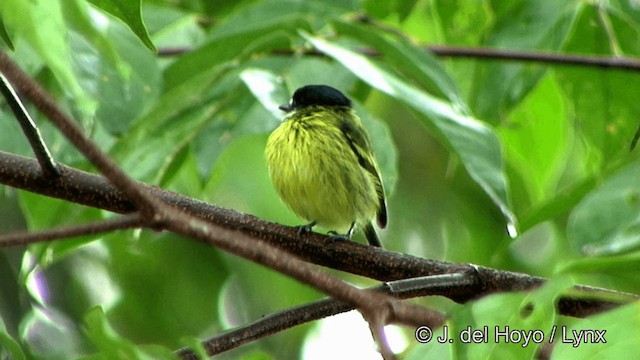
{"x": 468, "y": 148}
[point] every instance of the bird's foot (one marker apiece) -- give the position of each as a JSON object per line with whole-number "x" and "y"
{"x": 334, "y": 235}
{"x": 306, "y": 229}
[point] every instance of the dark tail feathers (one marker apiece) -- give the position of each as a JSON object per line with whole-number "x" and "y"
{"x": 371, "y": 235}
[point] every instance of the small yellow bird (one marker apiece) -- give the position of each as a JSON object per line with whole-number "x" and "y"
{"x": 322, "y": 166}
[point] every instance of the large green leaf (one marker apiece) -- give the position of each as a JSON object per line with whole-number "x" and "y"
{"x": 267, "y": 88}
{"x": 43, "y": 213}
{"x": 42, "y": 25}
{"x": 608, "y": 219}
{"x": 619, "y": 328}
{"x": 414, "y": 63}
{"x": 113, "y": 68}
{"x": 495, "y": 316}
{"x": 519, "y": 25}
{"x": 234, "y": 46}
{"x": 474, "y": 142}
{"x": 605, "y": 102}
{"x": 536, "y": 139}
{"x": 129, "y": 12}
{"x": 114, "y": 346}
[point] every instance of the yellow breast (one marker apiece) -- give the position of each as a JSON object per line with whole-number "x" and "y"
{"x": 317, "y": 174}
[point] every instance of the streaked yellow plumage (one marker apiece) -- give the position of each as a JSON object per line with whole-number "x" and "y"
{"x": 321, "y": 164}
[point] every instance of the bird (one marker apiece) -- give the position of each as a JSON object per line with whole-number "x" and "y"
{"x": 321, "y": 163}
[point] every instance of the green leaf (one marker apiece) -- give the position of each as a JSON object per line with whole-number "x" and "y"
{"x": 130, "y": 13}
{"x": 475, "y": 143}
{"x": 519, "y": 25}
{"x": 114, "y": 346}
{"x": 607, "y": 220}
{"x": 536, "y": 140}
{"x": 77, "y": 15}
{"x": 605, "y": 102}
{"x": 5, "y": 36}
{"x": 268, "y": 88}
{"x": 561, "y": 203}
{"x": 494, "y": 316}
{"x": 414, "y": 63}
{"x": 148, "y": 148}
{"x": 41, "y": 24}
{"x": 620, "y": 329}
{"x": 43, "y": 213}
{"x": 112, "y": 67}
{"x": 235, "y": 45}
{"x": 9, "y": 344}
{"x": 385, "y": 9}
{"x": 315, "y": 13}
{"x": 150, "y": 275}
{"x": 173, "y": 28}
{"x": 625, "y": 264}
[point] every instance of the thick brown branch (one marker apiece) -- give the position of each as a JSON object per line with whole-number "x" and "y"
{"x": 92, "y": 190}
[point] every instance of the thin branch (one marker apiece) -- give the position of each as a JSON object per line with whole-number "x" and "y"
{"x": 621, "y": 63}
{"x": 289, "y": 318}
{"x": 129, "y": 221}
{"x": 607, "y": 62}
{"x": 47, "y": 164}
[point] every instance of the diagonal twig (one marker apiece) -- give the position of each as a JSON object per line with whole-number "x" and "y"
{"x": 47, "y": 164}
{"x": 286, "y": 319}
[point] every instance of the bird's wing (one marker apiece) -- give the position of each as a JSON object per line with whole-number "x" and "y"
{"x": 358, "y": 141}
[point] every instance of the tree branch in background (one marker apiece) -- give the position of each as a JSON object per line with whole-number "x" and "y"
{"x": 606, "y": 62}
{"x": 129, "y": 221}
{"x": 621, "y": 63}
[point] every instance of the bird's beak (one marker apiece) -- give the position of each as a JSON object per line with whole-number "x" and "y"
{"x": 285, "y": 108}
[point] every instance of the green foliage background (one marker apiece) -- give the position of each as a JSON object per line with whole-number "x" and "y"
{"x": 468, "y": 149}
